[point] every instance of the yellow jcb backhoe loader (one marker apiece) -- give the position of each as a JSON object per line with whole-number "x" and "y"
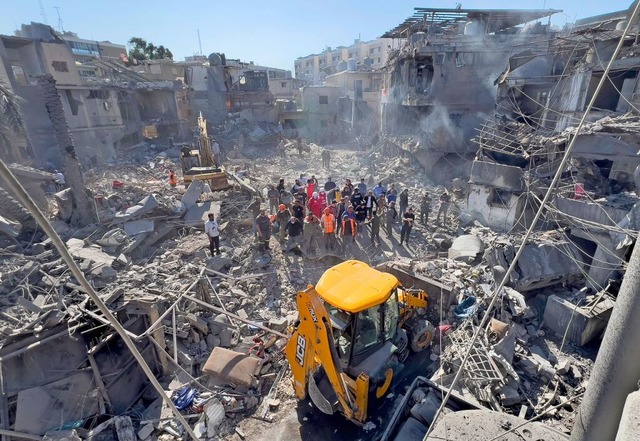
{"x": 355, "y": 329}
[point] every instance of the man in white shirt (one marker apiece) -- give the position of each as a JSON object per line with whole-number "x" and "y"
{"x": 212, "y": 230}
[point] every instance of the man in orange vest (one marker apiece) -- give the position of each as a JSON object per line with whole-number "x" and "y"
{"x": 349, "y": 227}
{"x": 173, "y": 180}
{"x": 328, "y": 222}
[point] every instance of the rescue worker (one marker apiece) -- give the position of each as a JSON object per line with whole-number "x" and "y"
{"x": 322, "y": 195}
{"x": 374, "y": 222}
{"x": 263, "y": 227}
{"x": 311, "y": 233}
{"x": 294, "y": 230}
{"x": 212, "y": 230}
{"x": 349, "y": 226}
{"x": 407, "y": 224}
{"x": 282, "y": 217}
{"x": 391, "y": 218}
{"x": 274, "y": 199}
{"x": 173, "y": 180}
{"x": 328, "y": 223}
{"x": 315, "y": 205}
{"x": 311, "y": 186}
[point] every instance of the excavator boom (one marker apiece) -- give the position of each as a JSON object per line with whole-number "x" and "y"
{"x": 311, "y": 347}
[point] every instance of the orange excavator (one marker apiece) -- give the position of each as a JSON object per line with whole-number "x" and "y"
{"x": 355, "y": 329}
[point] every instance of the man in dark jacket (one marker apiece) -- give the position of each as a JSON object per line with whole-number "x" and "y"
{"x": 403, "y": 199}
{"x": 374, "y": 222}
{"x": 370, "y": 203}
{"x": 407, "y": 224}
{"x": 340, "y": 210}
{"x": 274, "y": 199}
{"x": 294, "y": 229}
{"x": 297, "y": 210}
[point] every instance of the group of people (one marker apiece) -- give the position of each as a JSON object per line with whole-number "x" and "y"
{"x": 309, "y": 215}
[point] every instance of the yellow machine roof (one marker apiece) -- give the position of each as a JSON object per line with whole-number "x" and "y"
{"x": 354, "y": 286}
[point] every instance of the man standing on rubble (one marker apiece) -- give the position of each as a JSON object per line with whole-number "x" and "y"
{"x": 212, "y": 230}
{"x": 328, "y": 222}
{"x": 286, "y": 198}
{"x": 326, "y": 159}
{"x": 374, "y": 222}
{"x": 341, "y": 208}
{"x": 274, "y": 199}
{"x": 330, "y": 187}
{"x": 379, "y": 190}
{"x": 294, "y": 230}
{"x": 392, "y": 194}
{"x": 263, "y": 227}
{"x": 370, "y": 202}
{"x": 349, "y": 226}
{"x": 407, "y": 224}
{"x": 404, "y": 200}
{"x": 311, "y": 233}
{"x": 425, "y": 208}
{"x": 444, "y": 199}
{"x": 254, "y": 209}
{"x": 297, "y": 210}
{"x": 282, "y": 218}
{"x": 362, "y": 187}
{"x": 391, "y": 218}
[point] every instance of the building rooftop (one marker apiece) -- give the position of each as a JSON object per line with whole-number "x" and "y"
{"x": 494, "y": 19}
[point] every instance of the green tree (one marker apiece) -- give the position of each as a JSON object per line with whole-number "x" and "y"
{"x": 143, "y": 50}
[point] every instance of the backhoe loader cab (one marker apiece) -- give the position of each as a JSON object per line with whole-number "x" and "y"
{"x": 355, "y": 330}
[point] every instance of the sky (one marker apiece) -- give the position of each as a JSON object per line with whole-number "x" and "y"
{"x": 269, "y": 33}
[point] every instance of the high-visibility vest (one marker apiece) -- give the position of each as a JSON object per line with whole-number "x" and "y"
{"x": 354, "y": 228}
{"x": 328, "y": 221}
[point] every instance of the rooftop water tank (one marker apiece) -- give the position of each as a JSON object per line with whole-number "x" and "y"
{"x": 342, "y": 66}
{"x": 352, "y": 65}
{"x": 215, "y": 59}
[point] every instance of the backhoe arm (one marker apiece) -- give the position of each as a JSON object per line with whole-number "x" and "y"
{"x": 311, "y": 346}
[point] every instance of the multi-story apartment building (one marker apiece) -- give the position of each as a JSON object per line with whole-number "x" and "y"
{"x": 315, "y": 67}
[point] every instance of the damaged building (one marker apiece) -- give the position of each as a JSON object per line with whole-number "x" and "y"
{"x": 105, "y": 112}
{"x": 440, "y": 80}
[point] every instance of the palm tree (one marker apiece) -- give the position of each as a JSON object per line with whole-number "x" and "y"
{"x": 12, "y": 125}
{"x": 84, "y": 212}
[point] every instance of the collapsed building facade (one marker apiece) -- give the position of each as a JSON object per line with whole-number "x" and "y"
{"x": 441, "y": 79}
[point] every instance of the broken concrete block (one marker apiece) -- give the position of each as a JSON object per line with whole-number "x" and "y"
{"x": 509, "y": 396}
{"x": 141, "y": 208}
{"x": 563, "y": 366}
{"x": 145, "y": 431}
{"x": 242, "y": 314}
{"x": 279, "y": 324}
{"x": 124, "y": 428}
{"x": 226, "y": 338}
{"x": 62, "y": 435}
{"x": 529, "y": 367}
{"x": 133, "y": 228}
{"x": 583, "y": 324}
{"x": 217, "y": 263}
{"x": 191, "y": 196}
{"x": 212, "y": 341}
{"x": 199, "y": 323}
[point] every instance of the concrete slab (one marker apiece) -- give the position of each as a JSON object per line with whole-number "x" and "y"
{"x": 192, "y": 194}
{"x": 140, "y": 209}
{"x": 486, "y": 424}
{"x": 196, "y": 216}
{"x": 133, "y": 228}
{"x": 48, "y": 407}
{"x": 584, "y": 324}
{"x": 80, "y": 250}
